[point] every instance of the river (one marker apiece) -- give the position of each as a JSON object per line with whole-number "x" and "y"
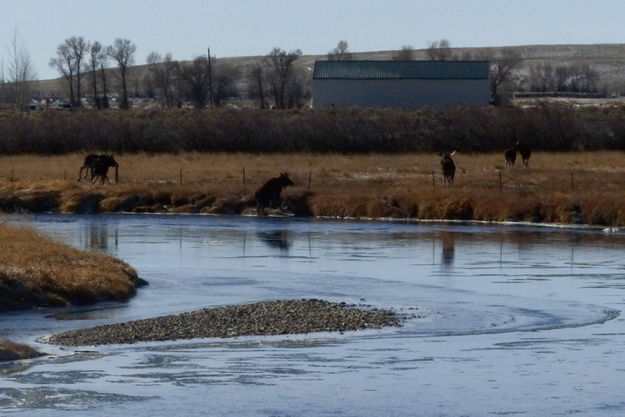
{"x": 512, "y": 320}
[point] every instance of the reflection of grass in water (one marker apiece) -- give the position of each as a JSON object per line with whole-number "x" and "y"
{"x": 581, "y": 187}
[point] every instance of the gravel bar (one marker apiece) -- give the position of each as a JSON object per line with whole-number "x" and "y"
{"x": 262, "y": 318}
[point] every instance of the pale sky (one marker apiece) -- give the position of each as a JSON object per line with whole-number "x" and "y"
{"x": 186, "y": 28}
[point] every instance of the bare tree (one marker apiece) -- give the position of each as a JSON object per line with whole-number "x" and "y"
{"x": 340, "y": 53}
{"x": 162, "y": 71}
{"x": 20, "y": 71}
{"x": 224, "y": 80}
{"x": 103, "y": 66}
{"x": 439, "y": 50}
{"x": 96, "y": 54}
{"x": 406, "y": 53}
{"x": 78, "y": 49}
{"x": 256, "y": 85}
{"x": 64, "y": 63}
{"x": 502, "y": 71}
{"x": 123, "y": 52}
{"x": 195, "y": 75}
{"x": 280, "y": 73}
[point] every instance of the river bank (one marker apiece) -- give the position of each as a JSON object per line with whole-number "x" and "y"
{"x": 37, "y": 271}
{"x": 565, "y": 188}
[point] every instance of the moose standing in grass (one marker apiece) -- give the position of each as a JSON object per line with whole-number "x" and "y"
{"x": 269, "y": 193}
{"x": 448, "y": 167}
{"x": 98, "y": 166}
{"x": 510, "y": 156}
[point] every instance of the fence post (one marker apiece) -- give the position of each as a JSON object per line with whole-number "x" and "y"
{"x": 500, "y": 185}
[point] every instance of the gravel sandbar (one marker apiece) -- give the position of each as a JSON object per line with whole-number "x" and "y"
{"x": 262, "y": 318}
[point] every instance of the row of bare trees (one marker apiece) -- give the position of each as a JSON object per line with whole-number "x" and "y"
{"x": 70, "y": 62}
{"x": 207, "y": 81}
{"x": 203, "y": 81}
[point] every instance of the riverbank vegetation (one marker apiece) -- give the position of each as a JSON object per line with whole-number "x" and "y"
{"x": 544, "y": 126}
{"x": 568, "y": 188}
{"x": 36, "y": 271}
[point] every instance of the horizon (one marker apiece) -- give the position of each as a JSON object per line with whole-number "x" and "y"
{"x": 246, "y": 28}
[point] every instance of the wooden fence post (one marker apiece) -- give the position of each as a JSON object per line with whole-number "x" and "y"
{"x": 500, "y": 185}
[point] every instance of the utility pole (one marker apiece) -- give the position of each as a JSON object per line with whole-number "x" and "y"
{"x": 210, "y": 80}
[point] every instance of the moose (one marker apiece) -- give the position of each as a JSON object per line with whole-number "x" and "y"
{"x": 98, "y": 166}
{"x": 448, "y": 167}
{"x": 510, "y": 155}
{"x": 269, "y": 193}
{"x": 525, "y": 151}
{"x": 87, "y": 166}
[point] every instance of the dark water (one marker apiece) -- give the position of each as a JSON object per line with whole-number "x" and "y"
{"x": 513, "y": 321}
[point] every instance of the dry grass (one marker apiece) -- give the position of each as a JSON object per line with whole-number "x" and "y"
{"x": 582, "y": 187}
{"x": 10, "y": 351}
{"x": 38, "y": 271}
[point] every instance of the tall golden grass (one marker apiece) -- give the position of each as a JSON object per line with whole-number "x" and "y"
{"x": 37, "y": 271}
{"x": 577, "y": 187}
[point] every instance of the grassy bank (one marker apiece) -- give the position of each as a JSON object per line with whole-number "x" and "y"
{"x": 36, "y": 271}
{"x": 570, "y": 188}
{"x": 10, "y": 351}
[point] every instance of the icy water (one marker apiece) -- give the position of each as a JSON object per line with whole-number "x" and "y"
{"x": 514, "y": 320}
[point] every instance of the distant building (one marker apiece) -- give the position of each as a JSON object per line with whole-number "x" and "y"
{"x": 401, "y": 84}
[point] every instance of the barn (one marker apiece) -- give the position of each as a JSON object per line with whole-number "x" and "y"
{"x": 400, "y": 84}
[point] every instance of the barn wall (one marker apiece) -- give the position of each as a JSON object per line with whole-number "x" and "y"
{"x": 406, "y": 93}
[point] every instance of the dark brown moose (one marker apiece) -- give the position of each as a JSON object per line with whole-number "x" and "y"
{"x": 510, "y": 155}
{"x": 448, "y": 167}
{"x": 269, "y": 193}
{"x": 87, "y": 166}
{"x": 525, "y": 151}
{"x": 98, "y": 166}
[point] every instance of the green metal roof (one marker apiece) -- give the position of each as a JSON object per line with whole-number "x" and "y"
{"x": 385, "y": 70}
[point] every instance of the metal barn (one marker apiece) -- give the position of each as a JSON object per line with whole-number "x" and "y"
{"x": 400, "y": 84}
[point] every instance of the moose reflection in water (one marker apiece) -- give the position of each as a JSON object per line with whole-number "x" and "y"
{"x": 279, "y": 239}
{"x": 269, "y": 194}
{"x": 448, "y": 241}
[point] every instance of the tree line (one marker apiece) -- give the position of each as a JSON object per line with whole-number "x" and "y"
{"x": 203, "y": 81}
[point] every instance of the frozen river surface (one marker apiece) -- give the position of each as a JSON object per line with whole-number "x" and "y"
{"x": 513, "y": 321}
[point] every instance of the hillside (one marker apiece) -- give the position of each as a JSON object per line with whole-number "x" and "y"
{"x": 607, "y": 59}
